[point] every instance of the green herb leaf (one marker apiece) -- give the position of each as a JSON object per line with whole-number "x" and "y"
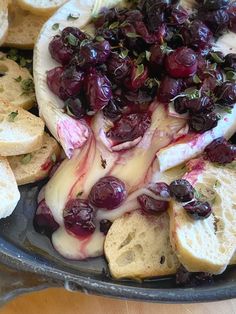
{"x": 114, "y": 25}
{"x": 72, "y": 40}
{"x": 198, "y": 195}
{"x": 227, "y": 109}
{"x": 13, "y": 54}
{"x": 192, "y": 93}
{"x": 151, "y": 82}
{"x": 228, "y": 69}
{"x": 140, "y": 58}
{"x": 124, "y": 53}
{"x": 99, "y": 38}
{"x": 12, "y": 116}
{"x": 139, "y": 71}
{"x": 23, "y": 62}
{"x": 132, "y": 35}
{"x": 55, "y": 26}
{"x": 123, "y": 24}
{"x": 26, "y": 159}
{"x": 54, "y": 158}
{"x": 79, "y": 194}
{"x": 213, "y": 66}
{"x": 18, "y": 79}
{"x": 27, "y": 86}
{"x": 230, "y": 75}
{"x": 196, "y": 79}
{"x": 73, "y": 16}
{"x": 103, "y": 162}
{"x": 217, "y": 184}
{"x": 84, "y": 42}
{"x": 216, "y": 57}
{"x": 164, "y": 47}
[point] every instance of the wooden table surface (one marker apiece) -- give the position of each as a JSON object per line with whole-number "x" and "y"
{"x": 59, "y": 301}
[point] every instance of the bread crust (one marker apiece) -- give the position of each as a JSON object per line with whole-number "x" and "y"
{"x": 41, "y": 7}
{"x": 21, "y": 131}
{"x": 39, "y": 162}
{"x": 138, "y": 246}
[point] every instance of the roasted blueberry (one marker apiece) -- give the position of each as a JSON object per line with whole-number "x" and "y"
{"x": 105, "y": 226}
{"x": 197, "y": 35}
{"x": 220, "y": 151}
{"x": 182, "y": 190}
{"x": 180, "y": 105}
{"x": 78, "y": 217}
{"x": 43, "y": 220}
{"x": 181, "y": 63}
{"x": 198, "y": 210}
{"x": 226, "y": 94}
{"x": 129, "y": 127}
{"x": 217, "y": 20}
{"x": 75, "y": 107}
{"x": 108, "y": 193}
{"x": 118, "y": 67}
{"x": 98, "y": 90}
{"x": 160, "y": 189}
{"x": 59, "y": 51}
{"x": 203, "y": 122}
{"x": 215, "y": 4}
{"x": 169, "y": 88}
{"x": 151, "y": 206}
{"x": 201, "y": 104}
{"x": 187, "y": 279}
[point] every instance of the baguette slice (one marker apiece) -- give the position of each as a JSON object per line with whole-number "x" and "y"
{"x": 207, "y": 245}
{"x": 3, "y": 20}
{"x": 35, "y": 166}
{"x": 20, "y": 131}
{"x": 24, "y": 27}
{"x": 41, "y": 7}
{"x": 9, "y": 193}
{"x": 138, "y": 247}
{"x": 12, "y": 83}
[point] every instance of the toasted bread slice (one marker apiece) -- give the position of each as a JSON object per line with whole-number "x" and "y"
{"x": 41, "y": 7}
{"x": 16, "y": 84}
{"x": 207, "y": 245}
{"x": 233, "y": 260}
{"x": 138, "y": 246}
{"x": 24, "y": 27}
{"x": 3, "y": 20}
{"x": 20, "y": 131}
{"x": 9, "y": 193}
{"x": 35, "y": 166}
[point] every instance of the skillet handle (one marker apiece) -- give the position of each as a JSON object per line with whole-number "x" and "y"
{"x": 14, "y": 283}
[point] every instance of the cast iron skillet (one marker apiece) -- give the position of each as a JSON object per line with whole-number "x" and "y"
{"x": 37, "y": 265}
{"x": 30, "y": 263}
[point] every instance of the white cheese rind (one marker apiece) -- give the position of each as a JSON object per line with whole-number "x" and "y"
{"x": 50, "y": 106}
{"x": 178, "y": 153}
